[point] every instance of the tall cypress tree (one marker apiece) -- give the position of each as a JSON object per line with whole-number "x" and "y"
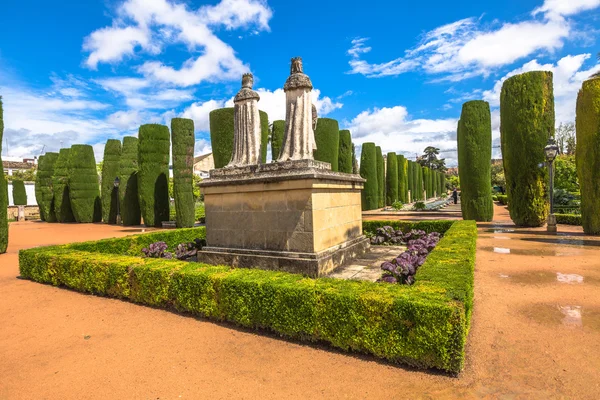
{"x": 409, "y": 179}
{"x": 368, "y": 170}
{"x": 128, "y": 190}
{"x": 345, "y": 157}
{"x": 153, "y": 176}
{"x": 402, "y": 179}
{"x": 60, "y": 183}
{"x": 327, "y": 137}
{"x": 45, "y": 172}
{"x": 392, "y": 179}
{"x": 110, "y": 170}
{"x": 183, "y": 140}
{"x": 526, "y": 123}
{"x": 380, "y": 177}
{"x": 277, "y": 134}
{"x": 84, "y": 189}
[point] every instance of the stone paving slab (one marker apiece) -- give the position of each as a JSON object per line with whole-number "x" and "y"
{"x": 368, "y": 266}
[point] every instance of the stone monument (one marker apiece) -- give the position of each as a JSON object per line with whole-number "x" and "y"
{"x": 246, "y": 125}
{"x": 293, "y": 215}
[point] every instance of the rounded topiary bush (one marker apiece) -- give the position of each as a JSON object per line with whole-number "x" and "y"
{"x": 345, "y": 152}
{"x": 526, "y": 123}
{"x": 153, "y": 176}
{"x": 18, "y": 192}
{"x": 327, "y": 136}
{"x": 60, "y": 183}
{"x": 588, "y": 154}
{"x": 474, "y": 138}
{"x": 84, "y": 190}
{"x": 221, "y": 135}
{"x": 392, "y": 179}
{"x": 45, "y": 173}
{"x": 368, "y": 170}
{"x": 128, "y": 189}
{"x": 110, "y": 171}
{"x": 380, "y": 177}
{"x": 183, "y": 139}
{"x": 277, "y": 135}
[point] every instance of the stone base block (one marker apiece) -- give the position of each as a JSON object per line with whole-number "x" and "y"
{"x": 310, "y": 264}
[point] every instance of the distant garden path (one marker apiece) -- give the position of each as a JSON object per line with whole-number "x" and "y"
{"x": 533, "y": 335}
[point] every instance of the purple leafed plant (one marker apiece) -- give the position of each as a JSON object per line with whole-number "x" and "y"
{"x": 157, "y": 250}
{"x": 403, "y": 268}
{"x": 390, "y": 236}
{"x": 189, "y": 250}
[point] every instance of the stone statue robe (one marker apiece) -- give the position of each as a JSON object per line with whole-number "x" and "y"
{"x": 246, "y": 128}
{"x": 299, "y": 140}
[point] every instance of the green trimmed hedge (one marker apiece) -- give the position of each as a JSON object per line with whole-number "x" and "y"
{"x": 424, "y": 325}
{"x": 60, "y": 183}
{"x": 18, "y": 192}
{"x": 327, "y": 136}
{"x": 131, "y": 214}
{"x": 588, "y": 154}
{"x": 153, "y": 177}
{"x": 380, "y": 177}
{"x": 45, "y": 173}
{"x": 526, "y": 123}
{"x": 474, "y": 139}
{"x": 110, "y": 170}
{"x": 278, "y": 132}
{"x": 84, "y": 189}
{"x": 183, "y": 140}
{"x": 502, "y": 199}
{"x": 392, "y": 179}
{"x": 368, "y": 171}
{"x": 569, "y": 219}
{"x": 345, "y": 152}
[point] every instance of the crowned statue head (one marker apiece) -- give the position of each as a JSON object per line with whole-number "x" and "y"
{"x": 296, "y": 66}
{"x": 247, "y": 81}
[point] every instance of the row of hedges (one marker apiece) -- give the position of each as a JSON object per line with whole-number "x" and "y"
{"x": 502, "y": 199}
{"x": 569, "y": 219}
{"x": 18, "y": 192}
{"x": 424, "y": 325}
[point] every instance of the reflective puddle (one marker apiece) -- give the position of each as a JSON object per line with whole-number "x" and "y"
{"x": 569, "y": 278}
{"x": 501, "y": 250}
{"x": 559, "y": 252}
{"x": 569, "y": 316}
{"x": 547, "y": 277}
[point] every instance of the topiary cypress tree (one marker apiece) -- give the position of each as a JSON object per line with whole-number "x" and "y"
{"x": 277, "y": 138}
{"x": 526, "y": 123}
{"x": 182, "y": 141}
{"x": 380, "y": 176}
{"x": 3, "y": 193}
{"x": 409, "y": 178}
{"x": 392, "y": 179}
{"x": 45, "y": 172}
{"x": 327, "y": 136}
{"x": 368, "y": 170}
{"x": 402, "y": 178}
{"x": 426, "y": 182}
{"x": 474, "y": 138}
{"x": 588, "y": 154}
{"x": 443, "y": 186}
{"x": 153, "y": 175}
{"x": 38, "y": 190}
{"x": 128, "y": 189}
{"x": 264, "y": 136}
{"x": 221, "y": 135}
{"x": 345, "y": 152}
{"x": 110, "y": 170}
{"x": 420, "y": 182}
{"x": 60, "y": 183}
{"x": 404, "y": 167}
{"x": 84, "y": 190}
{"x": 18, "y": 192}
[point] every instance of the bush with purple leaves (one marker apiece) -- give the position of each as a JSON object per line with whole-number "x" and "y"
{"x": 157, "y": 250}
{"x": 389, "y": 236}
{"x": 184, "y": 251}
{"x": 403, "y": 268}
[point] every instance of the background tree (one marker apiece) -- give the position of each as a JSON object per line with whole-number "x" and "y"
{"x": 565, "y": 173}
{"x": 498, "y": 178}
{"x": 327, "y": 137}
{"x": 566, "y": 138}
{"x": 27, "y": 175}
{"x": 430, "y": 159}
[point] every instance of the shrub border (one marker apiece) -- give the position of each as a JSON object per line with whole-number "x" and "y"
{"x": 424, "y": 325}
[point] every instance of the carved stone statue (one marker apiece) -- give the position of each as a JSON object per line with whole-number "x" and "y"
{"x": 300, "y": 116}
{"x": 246, "y": 125}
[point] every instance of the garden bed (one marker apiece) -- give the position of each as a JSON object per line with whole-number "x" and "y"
{"x": 424, "y": 325}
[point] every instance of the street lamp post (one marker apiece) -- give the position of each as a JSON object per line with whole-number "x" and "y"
{"x": 551, "y": 151}
{"x": 116, "y": 183}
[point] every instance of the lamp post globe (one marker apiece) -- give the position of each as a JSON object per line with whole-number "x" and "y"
{"x": 551, "y": 151}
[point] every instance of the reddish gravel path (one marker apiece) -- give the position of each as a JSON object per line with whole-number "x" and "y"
{"x": 532, "y": 336}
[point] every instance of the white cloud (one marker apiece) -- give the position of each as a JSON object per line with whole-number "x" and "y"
{"x": 140, "y": 93}
{"x": 202, "y": 146}
{"x": 199, "y": 113}
{"x": 566, "y": 7}
{"x": 153, "y": 24}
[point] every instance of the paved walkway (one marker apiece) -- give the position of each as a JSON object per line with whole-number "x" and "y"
{"x": 535, "y": 335}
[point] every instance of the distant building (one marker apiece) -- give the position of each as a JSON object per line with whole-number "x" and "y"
{"x": 203, "y": 164}
{"x": 452, "y": 171}
{"x": 13, "y": 164}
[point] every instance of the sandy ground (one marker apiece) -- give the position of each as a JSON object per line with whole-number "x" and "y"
{"x": 534, "y": 335}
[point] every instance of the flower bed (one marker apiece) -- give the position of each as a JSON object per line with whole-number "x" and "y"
{"x": 423, "y": 325}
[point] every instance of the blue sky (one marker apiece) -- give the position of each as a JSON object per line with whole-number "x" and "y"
{"x": 391, "y": 72}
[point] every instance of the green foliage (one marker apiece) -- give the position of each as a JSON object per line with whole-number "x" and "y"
{"x": 327, "y": 136}
{"x": 345, "y": 152}
{"x": 128, "y": 189}
{"x": 568, "y": 219}
{"x": 45, "y": 173}
{"x": 474, "y": 139}
{"x": 497, "y": 173}
{"x": 60, "y": 184}
{"x": 402, "y": 179}
{"x": 441, "y": 226}
{"x": 183, "y": 140}
{"x": 18, "y": 192}
{"x": 3, "y": 193}
{"x": 27, "y": 175}
{"x": 419, "y": 206}
{"x": 278, "y": 132}
{"x": 110, "y": 170}
{"x": 424, "y": 325}
{"x": 502, "y": 199}
{"x": 526, "y": 123}
{"x": 380, "y": 177}
{"x": 153, "y": 176}
{"x": 221, "y": 135}
{"x": 565, "y": 173}
{"x": 368, "y": 170}
{"x": 264, "y": 136}
{"x": 392, "y": 179}
{"x": 409, "y": 179}
{"x": 430, "y": 159}
{"x": 420, "y": 182}
{"x": 588, "y": 154}
{"x": 38, "y": 189}
{"x": 566, "y": 138}
{"x": 397, "y": 205}
{"x": 84, "y": 190}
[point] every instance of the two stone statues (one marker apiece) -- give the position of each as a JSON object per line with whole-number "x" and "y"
{"x": 300, "y": 121}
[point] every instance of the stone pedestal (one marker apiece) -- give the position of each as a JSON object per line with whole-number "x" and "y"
{"x": 295, "y": 216}
{"x": 21, "y": 213}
